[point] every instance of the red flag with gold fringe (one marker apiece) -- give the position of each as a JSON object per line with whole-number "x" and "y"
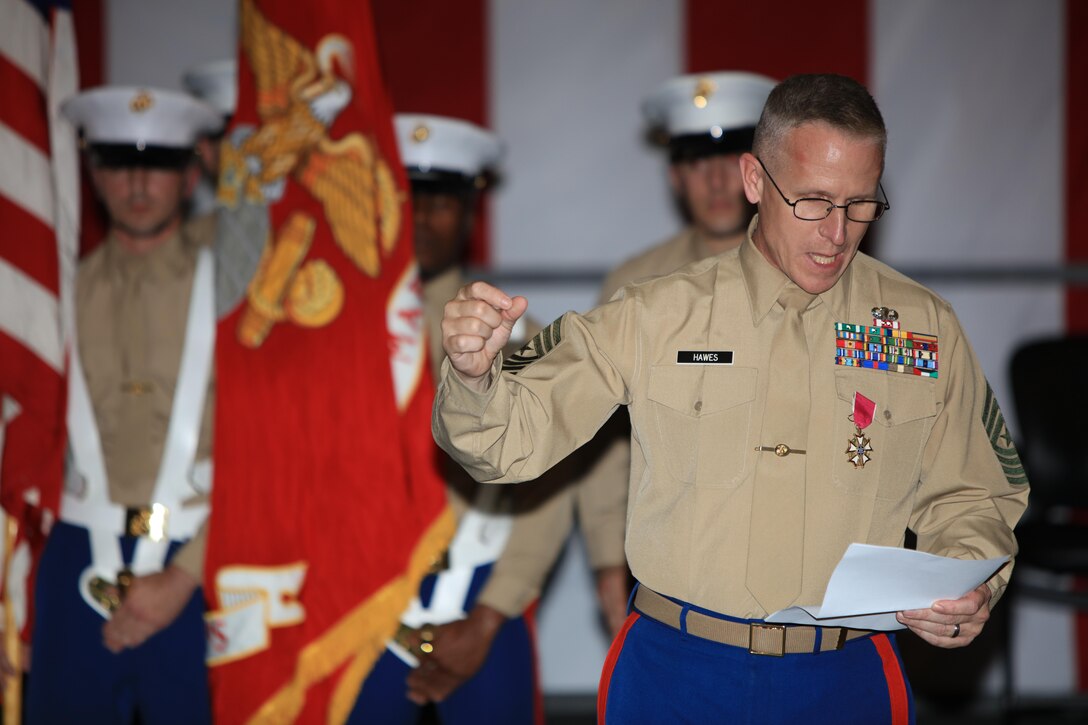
{"x": 327, "y": 507}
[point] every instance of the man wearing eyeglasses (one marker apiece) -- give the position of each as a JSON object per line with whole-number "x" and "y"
{"x": 708, "y": 120}
{"x": 787, "y": 399}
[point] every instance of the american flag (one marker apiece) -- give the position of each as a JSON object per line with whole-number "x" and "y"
{"x": 39, "y": 212}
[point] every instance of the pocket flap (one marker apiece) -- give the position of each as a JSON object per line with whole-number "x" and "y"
{"x": 898, "y": 399}
{"x": 701, "y": 390}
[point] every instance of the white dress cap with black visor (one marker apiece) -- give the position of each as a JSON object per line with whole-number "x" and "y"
{"x": 149, "y": 127}
{"x": 705, "y": 114}
{"x": 445, "y": 155}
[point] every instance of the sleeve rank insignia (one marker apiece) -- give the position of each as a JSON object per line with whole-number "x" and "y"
{"x": 543, "y": 343}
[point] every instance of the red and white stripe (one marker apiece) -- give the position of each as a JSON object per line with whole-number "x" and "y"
{"x": 39, "y": 209}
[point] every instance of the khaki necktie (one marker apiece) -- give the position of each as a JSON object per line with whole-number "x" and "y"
{"x": 777, "y": 534}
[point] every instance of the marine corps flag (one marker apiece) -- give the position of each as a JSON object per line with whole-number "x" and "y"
{"x": 327, "y": 507}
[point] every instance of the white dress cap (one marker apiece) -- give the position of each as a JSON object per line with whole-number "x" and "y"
{"x": 141, "y": 117}
{"x": 440, "y": 143}
{"x": 708, "y": 102}
{"x": 215, "y": 83}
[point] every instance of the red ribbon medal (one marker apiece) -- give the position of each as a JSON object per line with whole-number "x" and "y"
{"x": 857, "y": 447}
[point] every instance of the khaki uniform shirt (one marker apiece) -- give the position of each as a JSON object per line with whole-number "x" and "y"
{"x": 601, "y": 494}
{"x": 543, "y": 513}
{"x": 934, "y": 466}
{"x": 131, "y": 312}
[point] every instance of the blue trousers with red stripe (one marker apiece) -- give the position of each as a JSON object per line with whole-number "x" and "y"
{"x": 75, "y": 679}
{"x": 656, "y": 674}
{"x": 503, "y": 690}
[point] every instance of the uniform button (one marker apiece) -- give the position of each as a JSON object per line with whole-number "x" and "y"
{"x": 698, "y": 405}
{"x": 887, "y": 415}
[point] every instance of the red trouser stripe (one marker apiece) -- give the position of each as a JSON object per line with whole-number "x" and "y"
{"x": 538, "y": 697}
{"x": 610, "y": 664}
{"x": 897, "y": 686}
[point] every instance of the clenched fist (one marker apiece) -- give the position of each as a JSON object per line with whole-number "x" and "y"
{"x": 475, "y": 328}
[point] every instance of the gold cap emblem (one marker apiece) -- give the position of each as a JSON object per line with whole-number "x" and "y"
{"x": 141, "y": 102}
{"x": 703, "y": 90}
{"x": 421, "y": 133}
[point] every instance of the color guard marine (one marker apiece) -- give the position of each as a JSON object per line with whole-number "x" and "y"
{"x": 466, "y": 641}
{"x": 119, "y": 631}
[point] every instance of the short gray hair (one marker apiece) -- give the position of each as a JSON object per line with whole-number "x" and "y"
{"x": 836, "y": 100}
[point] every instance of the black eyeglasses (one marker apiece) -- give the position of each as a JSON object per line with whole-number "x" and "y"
{"x": 814, "y": 210}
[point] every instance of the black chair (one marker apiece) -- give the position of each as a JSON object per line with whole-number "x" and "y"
{"x": 1050, "y": 391}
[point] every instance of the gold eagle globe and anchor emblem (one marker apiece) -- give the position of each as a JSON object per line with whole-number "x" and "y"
{"x": 299, "y": 95}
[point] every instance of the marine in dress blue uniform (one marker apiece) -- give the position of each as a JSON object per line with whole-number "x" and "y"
{"x": 119, "y": 631}
{"x": 466, "y": 642}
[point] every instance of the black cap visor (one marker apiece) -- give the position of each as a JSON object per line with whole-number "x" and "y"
{"x": 690, "y": 147}
{"x": 438, "y": 181}
{"x": 121, "y": 156}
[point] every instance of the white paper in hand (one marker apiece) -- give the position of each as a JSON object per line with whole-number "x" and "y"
{"x": 872, "y": 583}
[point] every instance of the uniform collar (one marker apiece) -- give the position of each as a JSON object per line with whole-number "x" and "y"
{"x": 170, "y": 259}
{"x": 765, "y": 283}
{"x": 837, "y": 298}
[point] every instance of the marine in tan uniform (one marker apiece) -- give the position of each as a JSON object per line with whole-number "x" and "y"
{"x": 474, "y": 647}
{"x": 756, "y": 460}
{"x": 708, "y": 120}
{"x": 119, "y": 586}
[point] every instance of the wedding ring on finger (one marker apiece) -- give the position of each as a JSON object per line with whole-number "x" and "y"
{"x": 955, "y": 631}
{"x": 426, "y": 637}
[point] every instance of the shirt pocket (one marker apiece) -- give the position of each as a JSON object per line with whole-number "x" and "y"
{"x": 701, "y": 418}
{"x": 906, "y": 409}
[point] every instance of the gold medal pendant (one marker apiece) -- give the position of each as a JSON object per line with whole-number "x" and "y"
{"x": 858, "y": 449}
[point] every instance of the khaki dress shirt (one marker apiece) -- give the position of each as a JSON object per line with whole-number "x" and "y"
{"x": 131, "y": 311}
{"x": 695, "y": 428}
{"x": 601, "y": 493}
{"x": 543, "y": 512}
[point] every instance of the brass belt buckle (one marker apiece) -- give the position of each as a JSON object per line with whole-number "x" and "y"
{"x": 149, "y": 521}
{"x": 106, "y": 593}
{"x": 759, "y": 648}
{"x": 138, "y": 521}
{"x": 109, "y": 594}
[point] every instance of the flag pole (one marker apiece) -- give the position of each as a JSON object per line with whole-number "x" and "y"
{"x": 13, "y": 686}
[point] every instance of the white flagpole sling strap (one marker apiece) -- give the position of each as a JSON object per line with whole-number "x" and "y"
{"x": 91, "y": 507}
{"x": 482, "y": 535}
